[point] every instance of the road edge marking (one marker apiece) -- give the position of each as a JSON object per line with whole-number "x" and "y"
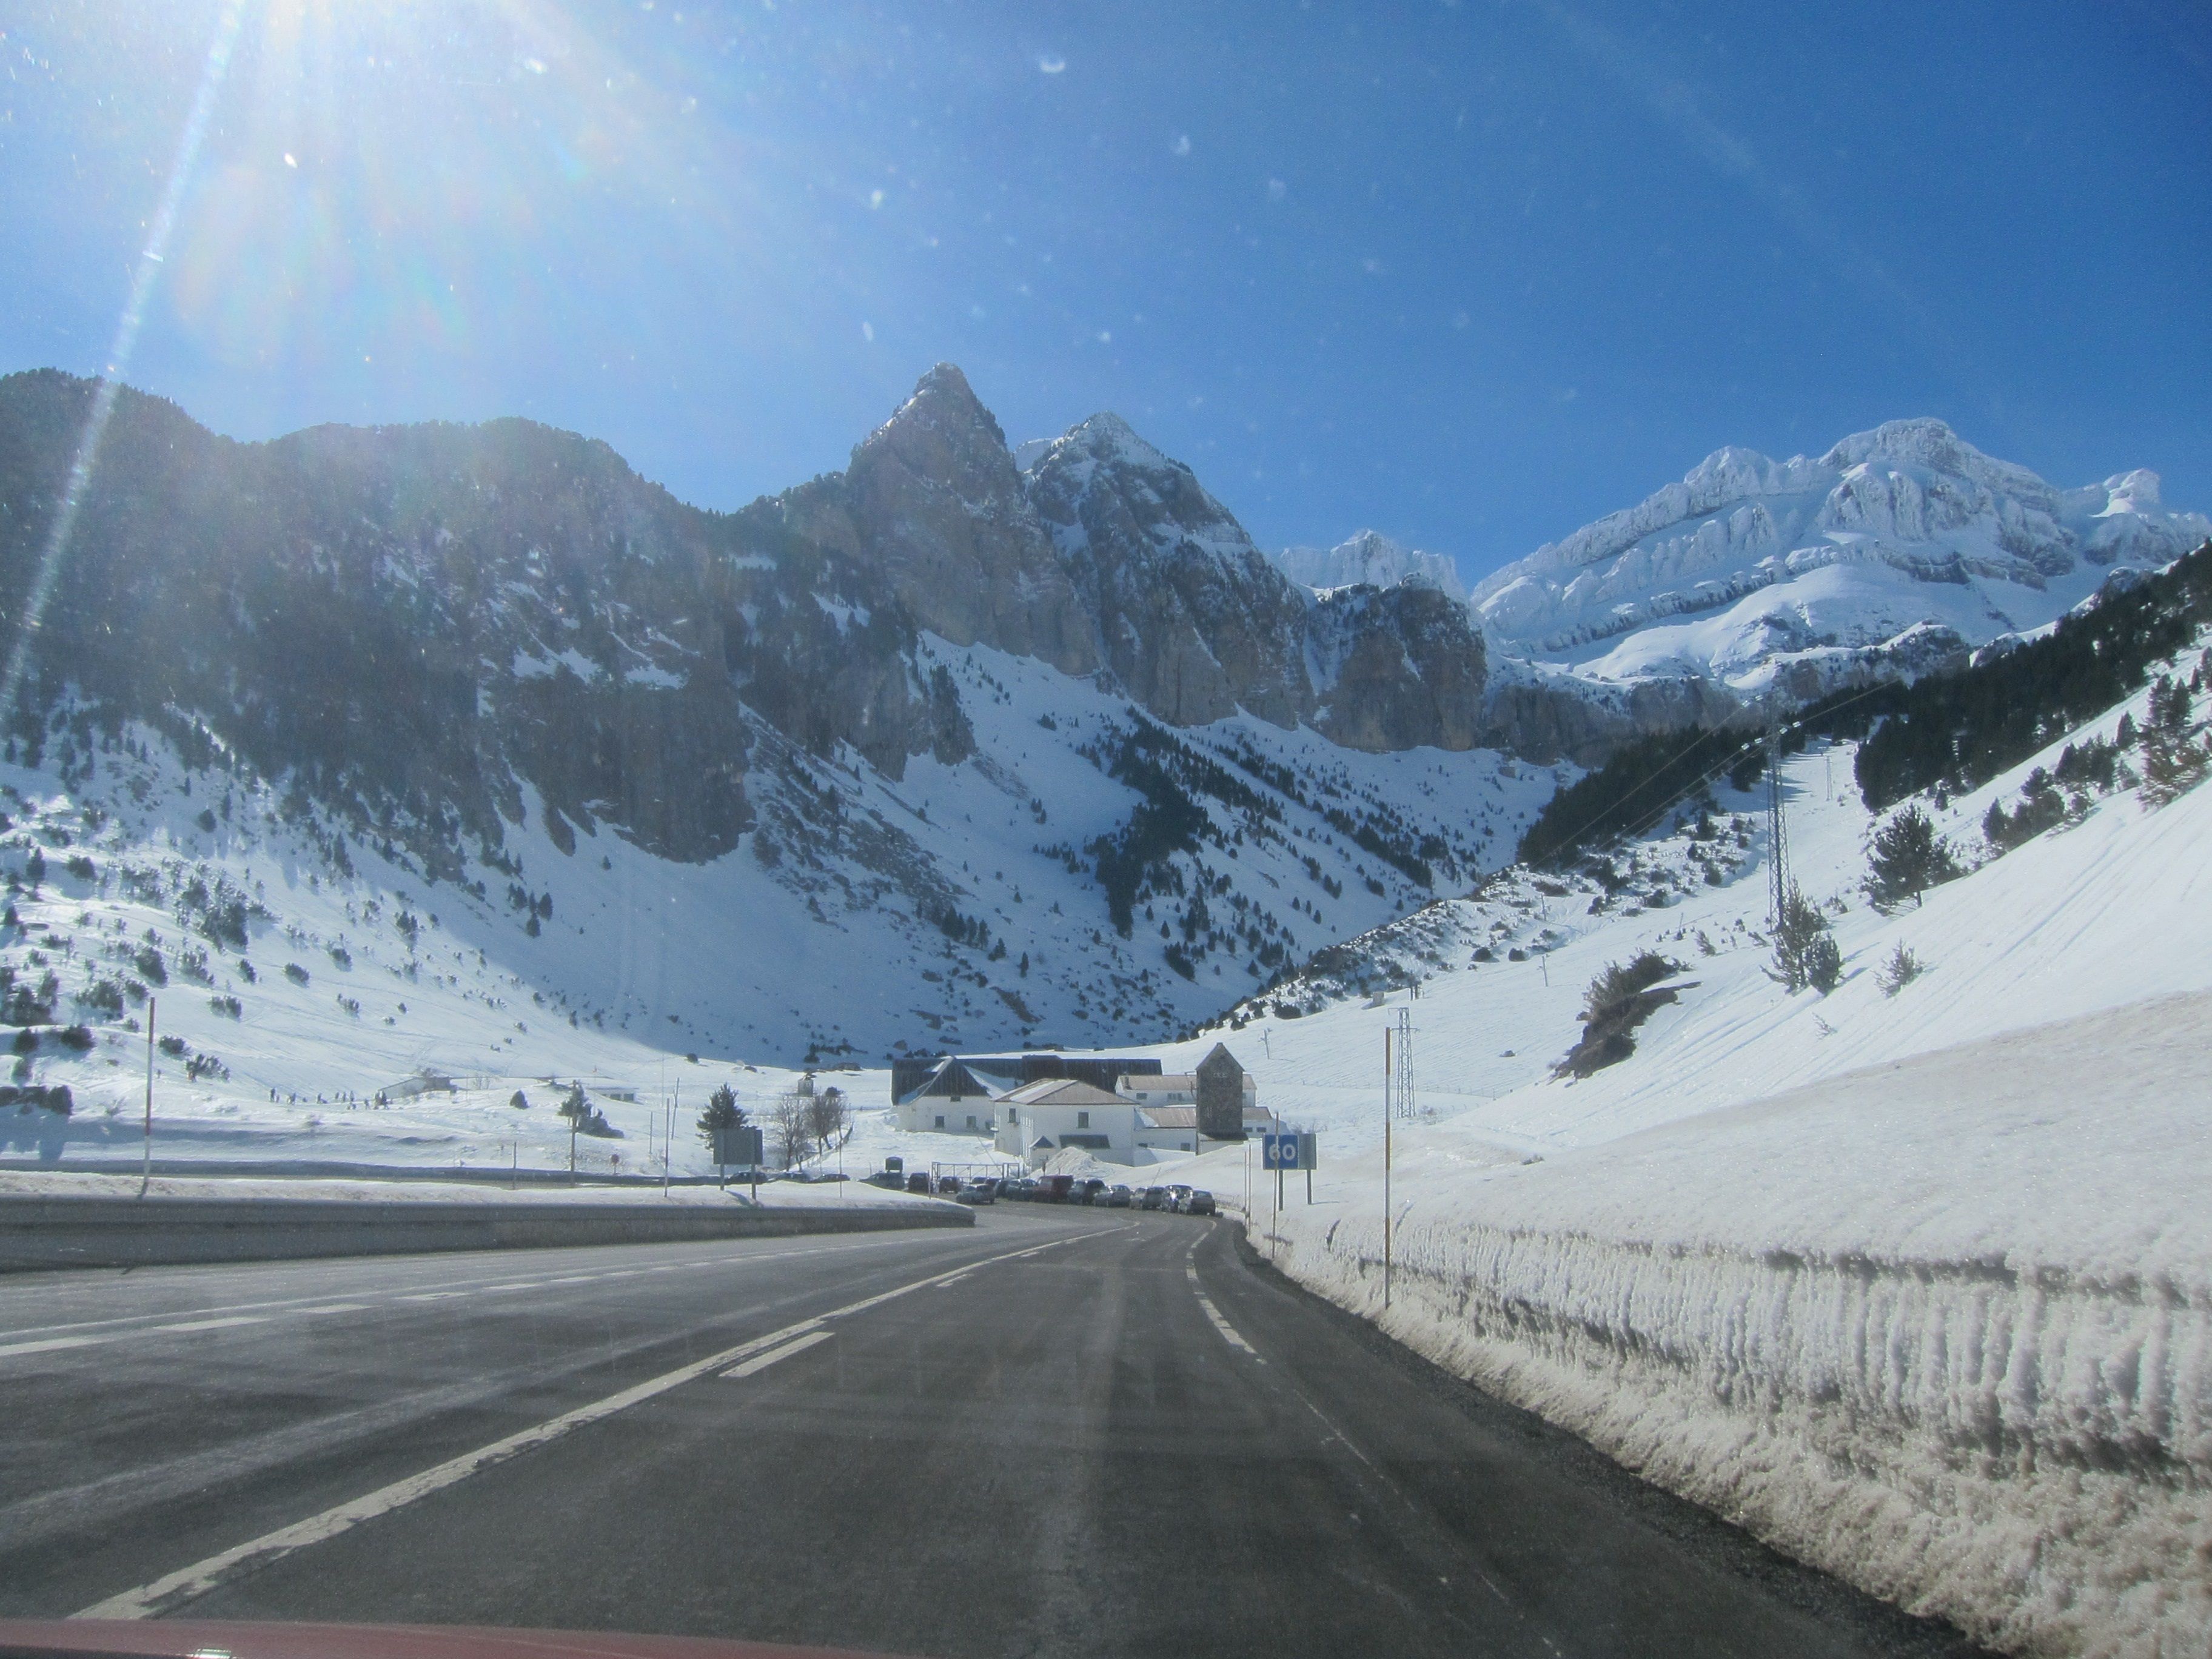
{"x": 1220, "y": 1323}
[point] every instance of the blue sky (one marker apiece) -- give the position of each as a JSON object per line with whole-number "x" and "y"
{"x": 1471, "y": 274}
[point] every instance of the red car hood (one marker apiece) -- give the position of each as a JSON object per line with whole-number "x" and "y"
{"x": 166, "y": 1638}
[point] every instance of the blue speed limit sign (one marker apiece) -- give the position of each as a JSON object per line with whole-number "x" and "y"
{"x": 1279, "y": 1152}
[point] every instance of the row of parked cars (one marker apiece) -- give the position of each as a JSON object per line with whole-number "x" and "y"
{"x": 1048, "y": 1189}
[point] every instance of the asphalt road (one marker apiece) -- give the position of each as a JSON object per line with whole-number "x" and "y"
{"x": 1069, "y": 1431}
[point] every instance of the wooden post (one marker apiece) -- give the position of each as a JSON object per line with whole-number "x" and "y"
{"x": 1387, "y": 1116}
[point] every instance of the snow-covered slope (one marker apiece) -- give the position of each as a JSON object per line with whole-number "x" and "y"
{"x": 1893, "y": 550}
{"x": 1917, "y": 1286}
{"x": 1371, "y": 558}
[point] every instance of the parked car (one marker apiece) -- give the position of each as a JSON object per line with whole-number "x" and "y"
{"x": 918, "y": 1181}
{"x": 1054, "y": 1188}
{"x": 1119, "y": 1198}
{"x": 948, "y": 1186}
{"x": 890, "y": 1179}
{"x": 978, "y": 1192}
{"x": 1178, "y": 1198}
{"x": 1200, "y": 1203}
{"x": 1151, "y": 1198}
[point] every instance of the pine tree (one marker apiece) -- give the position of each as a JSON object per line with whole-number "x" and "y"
{"x": 722, "y": 1114}
{"x": 1909, "y": 858}
{"x": 1803, "y": 953}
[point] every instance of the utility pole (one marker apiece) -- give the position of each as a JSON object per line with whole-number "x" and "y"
{"x": 146, "y": 1166}
{"x": 1406, "y": 1063}
{"x": 668, "y": 1145}
{"x": 1388, "y": 1114}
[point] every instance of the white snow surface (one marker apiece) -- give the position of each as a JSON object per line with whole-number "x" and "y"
{"x": 1749, "y": 565}
{"x": 1370, "y": 558}
{"x": 1919, "y": 1288}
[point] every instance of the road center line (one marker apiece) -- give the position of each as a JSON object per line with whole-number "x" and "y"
{"x": 761, "y": 1362}
{"x": 188, "y": 1583}
{"x": 210, "y": 1324}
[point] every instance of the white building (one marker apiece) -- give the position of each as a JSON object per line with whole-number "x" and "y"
{"x": 1043, "y": 1118}
{"x": 1175, "y": 1128}
{"x": 1178, "y": 1089}
{"x": 957, "y": 1098}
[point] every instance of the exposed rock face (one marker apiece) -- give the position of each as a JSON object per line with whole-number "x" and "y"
{"x": 427, "y": 626}
{"x": 1401, "y": 667}
{"x": 416, "y": 622}
{"x": 932, "y": 501}
{"x": 1196, "y": 622}
{"x": 1190, "y": 615}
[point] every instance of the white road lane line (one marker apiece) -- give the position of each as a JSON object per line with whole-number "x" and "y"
{"x": 761, "y": 1362}
{"x": 187, "y": 1583}
{"x": 49, "y": 1344}
{"x": 1227, "y": 1330}
{"x": 333, "y": 1307}
{"x": 210, "y": 1324}
{"x": 433, "y": 1296}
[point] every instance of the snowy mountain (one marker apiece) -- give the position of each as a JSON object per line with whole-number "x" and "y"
{"x": 1371, "y": 559}
{"x": 930, "y": 752}
{"x": 1898, "y": 550}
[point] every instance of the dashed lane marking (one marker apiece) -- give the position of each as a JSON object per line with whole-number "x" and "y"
{"x": 761, "y": 1362}
{"x": 49, "y": 1344}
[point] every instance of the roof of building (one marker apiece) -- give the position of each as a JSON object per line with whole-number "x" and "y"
{"x": 1172, "y": 1082}
{"x": 955, "y": 1079}
{"x": 1186, "y": 1117}
{"x": 1062, "y": 1092}
{"x": 1215, "y": 1058}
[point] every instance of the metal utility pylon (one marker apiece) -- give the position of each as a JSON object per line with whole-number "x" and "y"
{"x": 1405, "y": 1078}
{"x": 1777, "y": 842}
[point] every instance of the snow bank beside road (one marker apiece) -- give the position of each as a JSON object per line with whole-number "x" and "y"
{"x": 1944, "y": 1327}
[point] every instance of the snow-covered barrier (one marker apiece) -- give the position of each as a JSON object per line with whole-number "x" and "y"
{"x": 123, "y": 1232}
{"x": 1943, "y": 1328}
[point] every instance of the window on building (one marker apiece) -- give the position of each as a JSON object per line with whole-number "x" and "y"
{"x": 1083, "y": 1120}
{"x": 971, "y": 1120}
{"x": 940, "y": 1119}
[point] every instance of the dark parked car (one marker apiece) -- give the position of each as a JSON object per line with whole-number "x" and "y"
{"x": 948, "y": 1186}
{"x": 1152, "y": 1198}
{"x": 890, "y": 1179}
{"x": 1178, "y": 1197}
{"x": 1119, "y": 1198}
{"x": 1200, "y": 1203}
{"x": 1054, "y": 1188}
{"x": 918, "y": 1181}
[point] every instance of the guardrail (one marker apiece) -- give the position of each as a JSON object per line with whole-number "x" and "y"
{"x": 40, "y": 1233}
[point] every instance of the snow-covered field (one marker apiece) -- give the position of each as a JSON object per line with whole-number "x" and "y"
{"x": 1918, "y": 1287}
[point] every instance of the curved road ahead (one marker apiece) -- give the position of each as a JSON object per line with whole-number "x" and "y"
{"x": 1067, "y": 1431}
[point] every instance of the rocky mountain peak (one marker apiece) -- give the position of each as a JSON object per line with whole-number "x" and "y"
{"x": 932, "y": 501}
{"x": 1370, "y": 558}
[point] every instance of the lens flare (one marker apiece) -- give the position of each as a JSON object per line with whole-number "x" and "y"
{"x": 143, "y": 275}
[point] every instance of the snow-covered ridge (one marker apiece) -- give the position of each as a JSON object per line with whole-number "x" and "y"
{"x": 1370, "y": 558}
{"x": 1749, "y": 567}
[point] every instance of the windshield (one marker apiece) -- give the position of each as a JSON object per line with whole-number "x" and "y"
{"x": 961, "y": 829}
